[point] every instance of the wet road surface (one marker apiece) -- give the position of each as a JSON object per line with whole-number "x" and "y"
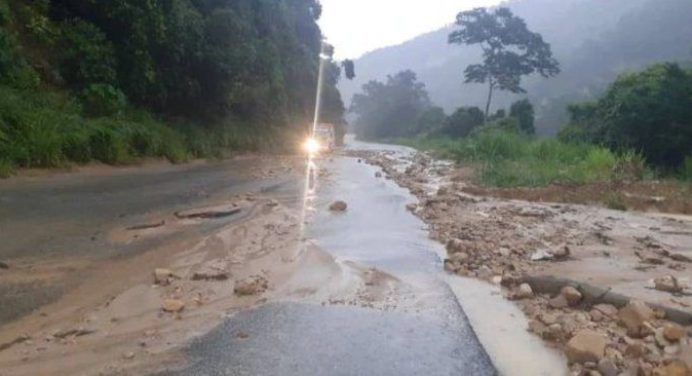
{"x": 302, "y": 339}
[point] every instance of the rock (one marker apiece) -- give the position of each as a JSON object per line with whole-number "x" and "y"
{"x": 586, "y": 346}
{"x": 636, "y": 350}
{"x": 674, "y": 368}
{"x": 562, "y": 252}
{"x": 459, "y": 258}
{"x": 596, "y": 315}
{"x": 558, "y": 302}
{"x": 541, "y": 255}
{"x": 504, "y": 252}
{"x": 3, "y": 265}
{"x": 607, "y": 310}
{"x": 272, "y": 203}
{"x": 338, "y": 206}
{"x": 673, "y": 332}
{"x": 555, "y": 332}
{"x": 547, "y": 318}
{"x": 163, "y": 277}
{"x": 607, "y": 367}
{"x": 668, "y": 284}
{"x": 633, "y": 317}
{"x": 129, "y": 355}
{"x": 455, "y": 246}
{"x": 251, "y": 286}
{"x": 524, "y": 291}
{"x": 661, "y": 340}
{"x": 509, "y": 280}
{"x": 378, "y": 174}
{"x": 411, "y": 207}
{"x": 215, "y": 270}
{"x": 685, "y": 355}
{"x": 614, "y": 355}
{"x": 571, "y": 295}
{"x": 450, "y": 266}
{"x": 442, "y": 191}
{"x": 173, "y": 305}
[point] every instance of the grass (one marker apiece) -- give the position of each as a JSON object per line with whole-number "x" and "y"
{"x": 40, "y": 128}
{"x": 686, "y": 170}
{"x": 512, "y": 160}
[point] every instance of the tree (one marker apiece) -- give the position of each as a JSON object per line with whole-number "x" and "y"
{"x": 463, "y": 121}
{"x": 432, "y": 120}
{"x": 649, "y": 112}
{"x": 391, "y": 109}
{"x": 510, "y": 50}
{"x": 523, "y": 111}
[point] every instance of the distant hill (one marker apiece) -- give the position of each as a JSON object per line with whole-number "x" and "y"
{"x": 594, "y": 40}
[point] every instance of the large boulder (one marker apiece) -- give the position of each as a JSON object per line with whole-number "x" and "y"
{"x": 586, "y": 346}
{"x": 634, "y": 316}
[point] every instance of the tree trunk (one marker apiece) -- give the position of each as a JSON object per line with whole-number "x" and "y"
{"x": 490, "y": 98}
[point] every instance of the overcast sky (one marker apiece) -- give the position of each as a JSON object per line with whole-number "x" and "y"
{"x": 355, "y": 27}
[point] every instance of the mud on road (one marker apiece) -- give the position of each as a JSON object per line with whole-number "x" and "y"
{"x": 135, "y": 314}
{"x": 580, "y": 273}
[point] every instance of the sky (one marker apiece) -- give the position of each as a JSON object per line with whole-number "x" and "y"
{"x": 355, "y": 27}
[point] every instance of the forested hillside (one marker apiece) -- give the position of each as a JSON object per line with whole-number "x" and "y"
{"x": 117, "y": 80}
{"x": 593, "y": 40}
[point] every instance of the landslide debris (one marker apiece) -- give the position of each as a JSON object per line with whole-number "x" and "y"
{"x": 504, "y": 241}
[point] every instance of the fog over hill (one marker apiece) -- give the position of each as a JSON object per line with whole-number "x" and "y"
{"x": 594, "y": 40}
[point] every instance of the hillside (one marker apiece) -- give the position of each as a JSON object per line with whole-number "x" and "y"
{"x": 116, "y": 81}
{"x": 594, "y": 41}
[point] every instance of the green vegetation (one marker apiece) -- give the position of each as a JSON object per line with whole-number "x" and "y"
{"x": 43, "y": 129}
{"x": 116, "y": 81}
{"x": 396, "y": 108}
{"x": 649, "y": 111}
{"x": 509, "y": 159}
{"x": 510, "y": 50}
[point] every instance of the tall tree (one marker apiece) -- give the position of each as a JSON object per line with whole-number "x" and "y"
{"x": 391, "y": 109}
{"x": 510, "y": 50}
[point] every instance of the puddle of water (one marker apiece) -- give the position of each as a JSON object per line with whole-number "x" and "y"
{"x": 501, "y": 328}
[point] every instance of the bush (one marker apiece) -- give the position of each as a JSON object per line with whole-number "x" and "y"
{"x": 523, "y": 111}
{"x": 87, "y": 56}
{"x": 109, "y": 146}
{"x": 103, "y": 100}
{"x": 686, "y": 170}
{"x": 6, "y": 168}
{"x": 463, "y": 121}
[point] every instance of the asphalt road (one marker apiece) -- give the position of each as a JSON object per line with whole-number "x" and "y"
{"x": 302, "y": 339}
{"x": 70, "y": 215}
